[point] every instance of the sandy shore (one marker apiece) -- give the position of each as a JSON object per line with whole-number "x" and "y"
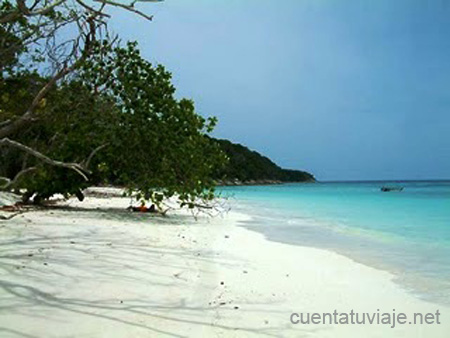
{"x": 90, "y": 272}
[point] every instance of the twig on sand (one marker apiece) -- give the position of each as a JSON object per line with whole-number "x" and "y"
{"x": 6, "y": 218}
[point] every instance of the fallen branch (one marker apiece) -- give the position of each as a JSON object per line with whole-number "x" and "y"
{"x": 5, "y": 218}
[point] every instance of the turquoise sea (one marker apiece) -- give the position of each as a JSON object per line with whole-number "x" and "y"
{"x": 406, "y": 232}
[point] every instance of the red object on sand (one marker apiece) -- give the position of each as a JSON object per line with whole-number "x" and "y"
{"x": 143, "y": 208}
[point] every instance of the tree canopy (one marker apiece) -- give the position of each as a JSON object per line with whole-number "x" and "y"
{"x": 103, "y": 115}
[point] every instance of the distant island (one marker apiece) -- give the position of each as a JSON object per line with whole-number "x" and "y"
{"x": 247, "y": 167}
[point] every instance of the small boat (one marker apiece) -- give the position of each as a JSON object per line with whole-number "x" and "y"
{"x": 387, "y": 189}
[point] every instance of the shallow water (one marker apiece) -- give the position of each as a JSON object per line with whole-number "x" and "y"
{"x": 407, "y": 232}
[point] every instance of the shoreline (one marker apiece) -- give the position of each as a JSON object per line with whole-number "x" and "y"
{"x": 418, "y": 263}
{"x": 121, "y": 274}
{"x": 416, "y": 284}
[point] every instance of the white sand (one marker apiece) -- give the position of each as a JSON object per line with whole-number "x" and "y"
{"x": 93, "y": 273}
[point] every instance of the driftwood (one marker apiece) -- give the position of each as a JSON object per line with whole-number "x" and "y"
{"x": 5, "y": 218}
{"x": 15, "y": 209}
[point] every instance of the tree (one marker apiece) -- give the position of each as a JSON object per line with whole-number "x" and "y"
{"x": 71, "y": 126}
{"x": 161, "y": 144}
{"x": 119, "y": 120}
{"x": 33, "y": 34}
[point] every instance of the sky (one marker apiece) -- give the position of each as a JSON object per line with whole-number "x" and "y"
{"x": 345, "y": 89}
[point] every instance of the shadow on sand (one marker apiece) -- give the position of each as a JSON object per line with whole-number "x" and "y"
{"x": 30, "y": 263}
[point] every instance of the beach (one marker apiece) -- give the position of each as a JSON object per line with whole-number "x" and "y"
{"x": 94, "y": 269}
{"x": 224, "y": 169}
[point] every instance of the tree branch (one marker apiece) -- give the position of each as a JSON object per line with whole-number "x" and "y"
{"x": 22, "y": 9}
{"x": 129, "y": 7}
{"x": 5, "y": 218}
{"x": 10, "y": 183}
{"x": 4, "y": 123}
{"x": 45, "y": 10}
{"x": 95, "y": 151}
{"x": 93, "y": 10}
{"x": 72, "y": 166}
{"x": 28, "y": 116}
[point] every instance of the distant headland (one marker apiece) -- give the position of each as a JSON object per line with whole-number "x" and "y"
{"x": 247, "y": 167}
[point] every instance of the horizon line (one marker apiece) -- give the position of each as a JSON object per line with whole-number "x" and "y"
{"x": 386, "y": 180}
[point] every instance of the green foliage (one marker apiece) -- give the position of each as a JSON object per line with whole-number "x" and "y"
{"x": 11, "y": 44}
{"x": 152, "y": 142}
{"x": 117, "y": 103}
{"x": 72, "y": 122}
{"x": 161, "y": 145}
{"x": 246, "y": 165}
{"x": 17, "y": 92}
{"x": 23, "y": 39}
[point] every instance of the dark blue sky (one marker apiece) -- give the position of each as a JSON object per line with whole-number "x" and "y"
{"x": 344, "y": 89}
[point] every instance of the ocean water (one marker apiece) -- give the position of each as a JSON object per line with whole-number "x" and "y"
{"x": 405, "y": 232}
